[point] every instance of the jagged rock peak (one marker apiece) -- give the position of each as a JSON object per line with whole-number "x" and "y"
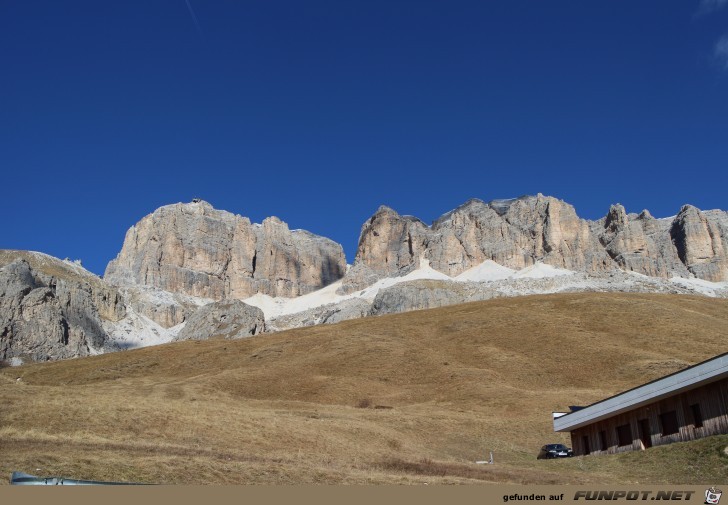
{"x": 197, "y": 206}
{"x": 701, "y": 240}
{"x": 514, "y": 232}
{"x": 616, "y": 217}
{"x": 474, "y": 204}
{"x": 52, "y": 309}
{"x": 197, "y": 250}
{"x": 501, "y": 205}
{"x": 385, "y": 209}
{"x": 519, "y": 232}
{"x": 645, "y": 214}
{"x": 688, "y": 208}
{"x": 386, "y": 212}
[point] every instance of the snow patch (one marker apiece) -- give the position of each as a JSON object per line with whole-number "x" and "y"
{"x": 280, "y": 306}
{"x": 701, "y": 286}
{"x": 488, "y": 271}
{"x": 637, "y": 274}
{"x": 425, "y": 272}
{"x": 541, "y": 271}
{"x": 136, "y": 330}
{"x": 159, "y": 297}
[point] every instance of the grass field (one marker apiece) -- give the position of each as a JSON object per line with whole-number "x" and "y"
{"x": 409, "y": 398}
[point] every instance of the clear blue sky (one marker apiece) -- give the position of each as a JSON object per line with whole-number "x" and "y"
{"x": 318, "y": 112}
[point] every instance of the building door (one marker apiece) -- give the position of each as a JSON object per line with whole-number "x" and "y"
{"x": 645, "y": 434}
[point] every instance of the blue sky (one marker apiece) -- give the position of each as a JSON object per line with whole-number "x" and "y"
{"x": 318, "y": 112}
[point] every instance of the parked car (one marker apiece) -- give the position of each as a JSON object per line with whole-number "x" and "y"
{"x": 549, "y": 451}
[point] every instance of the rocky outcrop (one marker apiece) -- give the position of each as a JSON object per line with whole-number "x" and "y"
{"x": 326, "y": 314}
{"x": 514, "y": 233}
{"x": 184, "y": 256}
{"x": 228, "y": 319}
{"x": 519, "y": 232}
{"x": 701, "y": 240}
{"x": 389, "y": 245}
{"x": 164, "y": 308}
{"x": 199, "y": 251}
{"x": 639, "y": 243}
{"x": 51, "y": 309}
{"x": 428, "y": 294}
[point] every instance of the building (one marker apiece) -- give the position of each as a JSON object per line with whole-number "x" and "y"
{"x": 685, "y": 405}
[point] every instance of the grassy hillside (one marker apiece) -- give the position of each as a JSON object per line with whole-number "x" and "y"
{"x": 409, "y": 398}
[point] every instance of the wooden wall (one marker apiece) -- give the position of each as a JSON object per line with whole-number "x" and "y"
{"x": 712, "y": 399}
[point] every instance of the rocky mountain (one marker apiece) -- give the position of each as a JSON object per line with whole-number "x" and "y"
{"x": 520, "y": 232}
{"x": 189, "y": 271}
{"x": 227, "y": 319}
{"x": 197, "y": 250}
{"x": 52, "y": 309}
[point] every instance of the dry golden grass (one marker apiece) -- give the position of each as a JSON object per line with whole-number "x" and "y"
{"x": 409, "y": 398}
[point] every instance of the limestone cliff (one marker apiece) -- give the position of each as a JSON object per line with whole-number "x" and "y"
{"x": 52, "y": 309}
{"x": 519, "y": 232}
{"x": 701, "y": 240}
{"x": 200, "y": 251}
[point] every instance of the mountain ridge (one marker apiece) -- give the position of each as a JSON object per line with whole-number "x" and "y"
{"x": 185, "y": 256}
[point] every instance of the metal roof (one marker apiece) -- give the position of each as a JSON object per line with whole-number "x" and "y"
{"x": 692, "y": 377}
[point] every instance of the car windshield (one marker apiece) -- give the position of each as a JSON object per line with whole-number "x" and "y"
{"x": 557, "y": 447}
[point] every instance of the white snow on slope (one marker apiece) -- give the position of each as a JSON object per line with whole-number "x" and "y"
{"x": 156, "y": 296}
{"x": 425, "y": 272}
{"x": 540, "y": 271}
{"x": 279, "y": 306}
{"x": 701, "y": 286}
{"x": 488, "y": 271}
{"x": 136, "y": 330}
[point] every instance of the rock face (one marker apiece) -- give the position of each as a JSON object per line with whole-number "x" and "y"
{"x": 514, "y": 233}
{"x": 701, "y": 240}
{"x": 428, "y": 294}
{"x": 199, "y": 251}
{"x": 519, "y": 232}
{"x": 639, "y": 243}
{"x": 164, "y": 308}
{"x": 693, "y": 243}
{"x": 181, "y": 258}
{"x": 326, "y": 314}
{"x": 227, "y": 319}
{"x": 50, "y": 309}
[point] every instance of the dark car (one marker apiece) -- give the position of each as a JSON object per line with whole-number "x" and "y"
{"x": 549, "y": 451}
